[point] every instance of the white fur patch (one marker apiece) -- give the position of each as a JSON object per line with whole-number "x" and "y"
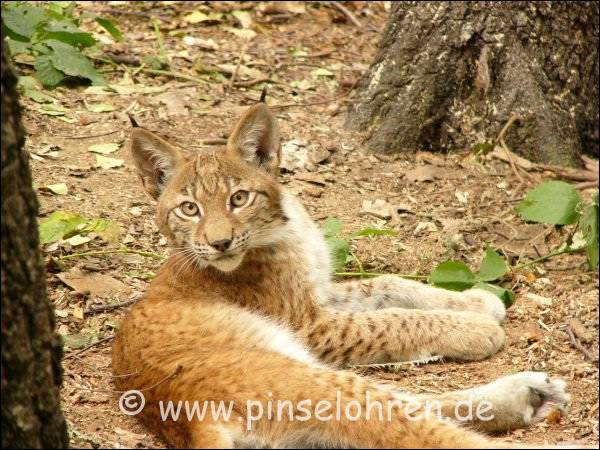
{"x": 314, "y": 251}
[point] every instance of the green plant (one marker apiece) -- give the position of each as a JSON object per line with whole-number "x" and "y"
{"x": 339, "y": 243}
{"x": 50, "y": 36}
{"x": 67, "y": 225}
{"x": 457, "y": 276}
{"x": 559, "y": 203}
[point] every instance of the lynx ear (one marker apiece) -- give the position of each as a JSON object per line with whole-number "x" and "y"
{"x": 155, "y": 160}
{"x": 256, "y": 139}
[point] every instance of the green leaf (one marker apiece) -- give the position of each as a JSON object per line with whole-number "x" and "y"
{"x": 553, "y": 202}
{"x": 492, "y": 267}
{"x": 332, "y": 227}
{"x": 453, "y": 275}
{"x": 339, "y": 250}
{"x": 66, "y": 31}
{"x": 321, "y": 72}
{"x": 53, "y": 110}
{"x": 105, "y": 228}
{"x": 72, "y": 62}
{"x": 110, "y": 27}
{"x": 58, "y": 189}
{"x": 375, "y": 232}
{"x": 46, "y": 72}
{"x": 589, "y": 225}
{"x": 100, "y": 107}
{"x": 482, "y": 148}
{"x": 507, "y": 296}
{"x": 28, "y": 87}
{"x": 59, "y": 225}
{"x": 108, "y": 163}
{"x": 22, "y": 19}
{"x": 104, "y": 149}
{"x": 18, "y": 47}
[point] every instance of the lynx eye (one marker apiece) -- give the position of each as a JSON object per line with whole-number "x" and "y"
{"x": 240, "y": 198}
{"x": 189, "y": 208}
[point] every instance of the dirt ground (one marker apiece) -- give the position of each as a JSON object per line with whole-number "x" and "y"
{"x": 314, "y": 55}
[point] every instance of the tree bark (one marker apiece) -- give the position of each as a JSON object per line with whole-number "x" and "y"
{"x": 449, "y": 75}
{"x": 31, "y": 351}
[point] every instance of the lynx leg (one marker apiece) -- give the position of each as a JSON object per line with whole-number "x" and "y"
{"x": 395, "y": 334}
{"x": 298, "y": 424}
{"x": 510, "y": 402}
{"x": 389, "y": 291}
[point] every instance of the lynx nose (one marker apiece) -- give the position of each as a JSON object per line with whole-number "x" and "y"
{"x": 221, "y": 244}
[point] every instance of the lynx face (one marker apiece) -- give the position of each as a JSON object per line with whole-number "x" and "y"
{"x": 216, "y": 205}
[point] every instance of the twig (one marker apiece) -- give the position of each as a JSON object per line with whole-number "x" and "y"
{"x": 174, "y": 75}
{"x": 586, "y": 184}
{"x": 87, "y": 347}
{"x": 318, "y": 102}
{"x": 239, "y": 63}
{"x": 375, "y": 274}
{"x": 90, "y": 136}
{"x": 575, "y": 343}
{"x": 104, "y": 308}
{"x": 346, "y": 12}
{"x": 500, "y": 140}
{"x": 115, "y": 11}
{"x": 547, "y": 257}
{"x": 252, "y": 82}
{"x": 215, "y": 141}
{"x": 112, "y": 252}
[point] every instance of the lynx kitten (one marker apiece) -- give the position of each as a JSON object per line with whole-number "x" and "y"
{"x": 244, "y": 312}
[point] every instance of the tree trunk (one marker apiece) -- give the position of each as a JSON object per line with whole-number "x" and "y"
{"x": 449, "y": 75}
{"x": 31, "y": 351}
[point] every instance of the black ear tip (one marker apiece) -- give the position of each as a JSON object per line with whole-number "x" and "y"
{"x": 263, "y": 94}
{"x": 134, "y": 123}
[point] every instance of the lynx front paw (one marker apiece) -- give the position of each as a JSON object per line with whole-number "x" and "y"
{"x": 524, "y": 398}
{"x": 471, "y": 337}
{"x": 487, "y": 302}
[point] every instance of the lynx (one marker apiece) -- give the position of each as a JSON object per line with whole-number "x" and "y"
{"x": 245, "y": 311}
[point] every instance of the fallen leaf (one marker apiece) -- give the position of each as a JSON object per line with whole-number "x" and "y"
{"x": 205, "y": 19}
{"x": 76, "y": 341}
{"x": 100, "y": 107}
{"x": 58, "y": 189}
{"x": 78, "y": 312}
{"x": 244, "y": 33}
{"x": 311, "y": 178}
{"x": 104, "y": 149}
{"x": 544, "y": 301}
{"x": 321, "y": 72}
{"x": 580, "y": 331}
{"x": 93, "y": 282}
{"x": 243, "y": 17}
{"x": 554, "y": 417}
{"x": 422, "y": 173}
{"x": 378, "y": 208}
{"x": 175, "y": 103}
{"x": 78, "y": 240}
{"x": 205, "y": 44}
{"x": 108, "y": 163}
{"x": 425, "y": 226}
{"x": 462, "y": 197}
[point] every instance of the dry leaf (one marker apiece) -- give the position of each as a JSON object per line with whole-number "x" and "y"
{"x": 92, "y": 282}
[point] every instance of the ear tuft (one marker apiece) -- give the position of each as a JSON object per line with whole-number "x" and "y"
{"x": 256, "y": 139}
{"x": 155, "y": 160}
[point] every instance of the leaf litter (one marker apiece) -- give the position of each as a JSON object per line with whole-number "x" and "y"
{"x": 349, "y": 176}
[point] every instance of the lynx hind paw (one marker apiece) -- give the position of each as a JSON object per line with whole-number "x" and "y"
{"x": 531, "y": 395}
{"x": 491, "y": 304}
